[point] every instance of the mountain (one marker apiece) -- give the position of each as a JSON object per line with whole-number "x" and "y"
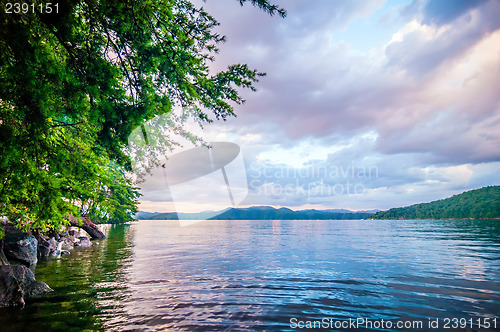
{"x": 481, "y": 203}
{"x": 144, "y": 215}
{"x": 258, "y": 213}
{"x": 349, "y": 211}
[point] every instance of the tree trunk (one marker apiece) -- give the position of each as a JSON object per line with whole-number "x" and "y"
{"x": 88, "y": 226}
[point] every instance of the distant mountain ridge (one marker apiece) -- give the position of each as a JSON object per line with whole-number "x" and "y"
{"x": 260, "y": 213}
{"x": 481, "y": 203}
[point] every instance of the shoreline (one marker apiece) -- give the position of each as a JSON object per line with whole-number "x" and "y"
{"x": 20, "y": 252}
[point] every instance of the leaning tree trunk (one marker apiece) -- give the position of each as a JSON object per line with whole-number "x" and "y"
{"x": 88, "y": 226}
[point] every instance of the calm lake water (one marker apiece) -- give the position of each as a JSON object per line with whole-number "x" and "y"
{"x": 258, "y": 275}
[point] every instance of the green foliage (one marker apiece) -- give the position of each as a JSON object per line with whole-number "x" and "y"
{"x": 481, "y": 203}
{"x": 266, "y": 6}
{"x": 75, "y": 84}
{"x": 120, "y": 194}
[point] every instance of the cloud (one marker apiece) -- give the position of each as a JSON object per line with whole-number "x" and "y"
{"x": 420, "y": 48}
{"x": 455, "y": 114}
{"x": 442, "y": 12}
{"x": 422, "y": 107}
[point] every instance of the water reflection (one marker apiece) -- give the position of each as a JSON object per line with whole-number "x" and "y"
{"x": 89, "y": 287}
{"x": 256, "y": 275}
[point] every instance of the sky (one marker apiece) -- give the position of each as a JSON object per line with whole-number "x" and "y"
{"x": 366, "y": 105}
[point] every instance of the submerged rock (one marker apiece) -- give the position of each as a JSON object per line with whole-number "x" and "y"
{"x": 68, "y": 243}
{"x": 17, "y": 283}
{"x": 83, "y": 242}
{"x": 57, "y": 251}
{"x": 22, "y": 248}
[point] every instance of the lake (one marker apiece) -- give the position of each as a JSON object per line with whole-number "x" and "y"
{"x": 274, "y": 276}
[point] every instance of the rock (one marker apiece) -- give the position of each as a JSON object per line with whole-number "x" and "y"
{"x": 57, "y": 251}
{"x": 3, "y": 259}
{"x": 21, "y": 247}
{"x": 31, "y": 287}
{"x": 11, "y": 293}
{"x": 17, "y": 282}
{"x": 68, "y": 239}
{"x": 83, "y": 242}
{"x": 55, "y": 235}
{"x": 68, "y": 242}
{"x": 46, "y": 246}
{"x": 53, "y": 244}
{"x": 43, "y": 247}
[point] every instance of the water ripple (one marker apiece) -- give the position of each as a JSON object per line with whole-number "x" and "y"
{"x": 257, "y": 275}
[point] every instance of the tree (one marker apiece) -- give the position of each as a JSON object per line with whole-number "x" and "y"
{"x": 75, "y": 81}
{"x": 479, "y": 203}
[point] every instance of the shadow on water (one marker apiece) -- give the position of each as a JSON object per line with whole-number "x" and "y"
{"x": 88, "y": 286}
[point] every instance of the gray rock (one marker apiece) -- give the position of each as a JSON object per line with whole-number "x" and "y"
{"x": 3, "y": 259}
{"x": 31, "y": 287}
{"x": 17, "y": 282}
{"x": 46, "y": 246}
{"x": 11, "y": 293}
{"x": 57, "y": 251}
{"x": 83, "y": 242}
{"x": 43, "y": 247}
{"x": 22, "y": 248}
{"x": 54, "y": 245}
{"x": 68, "y": 243}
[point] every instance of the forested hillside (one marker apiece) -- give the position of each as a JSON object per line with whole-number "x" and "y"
{"x": 259, "y": 213}
{"x": 480, "y": 203}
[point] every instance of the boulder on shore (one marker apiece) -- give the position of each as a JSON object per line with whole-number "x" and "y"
{"x": 17, "y": 282}
{"x": 21, "y": 247}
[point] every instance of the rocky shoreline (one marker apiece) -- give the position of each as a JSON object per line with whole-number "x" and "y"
{"x": 20, "y": 252}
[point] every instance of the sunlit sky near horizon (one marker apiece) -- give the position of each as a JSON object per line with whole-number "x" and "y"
{"x": 366, "y": 104}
